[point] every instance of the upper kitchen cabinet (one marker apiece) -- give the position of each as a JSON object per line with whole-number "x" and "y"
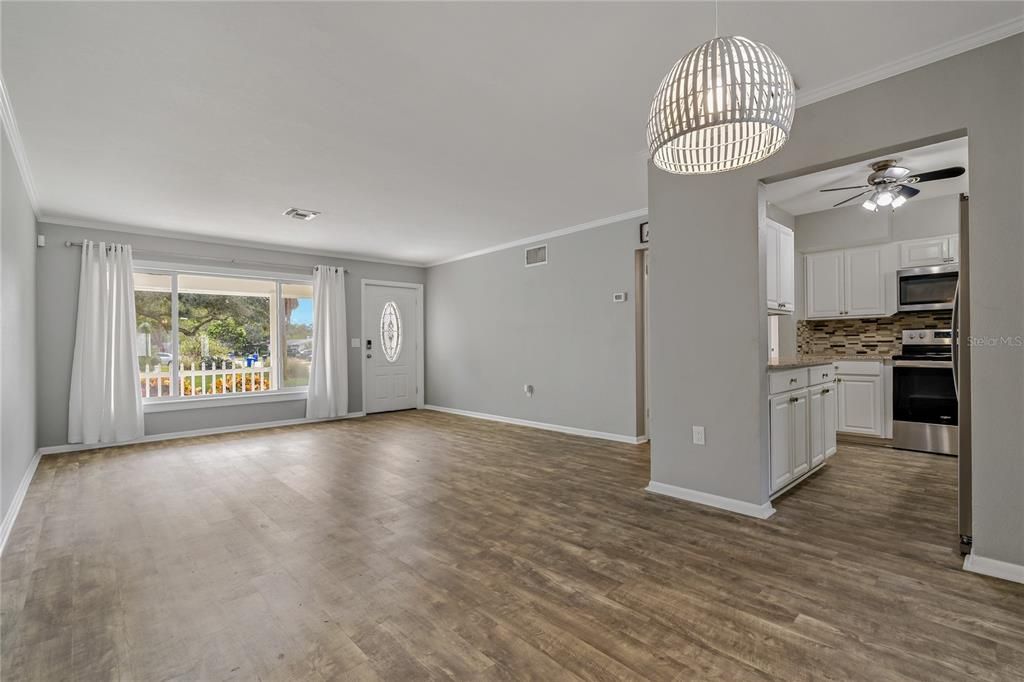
{"x": 847, "y": 283}
{"x": 779, "y": 267}
{"x": 824, "y": 284}
{"x": 931, "y": 251}
{"x": 864, "y": 280}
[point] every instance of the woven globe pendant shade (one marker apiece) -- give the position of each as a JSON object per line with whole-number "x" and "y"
{"x": 727, "y": 104}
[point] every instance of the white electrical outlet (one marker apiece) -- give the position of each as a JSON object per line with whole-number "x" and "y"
{"x": 528, "y": 390}
{"x": 698, "y": 435}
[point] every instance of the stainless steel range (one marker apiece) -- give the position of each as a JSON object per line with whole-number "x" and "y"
{"x": 924, "y": 393}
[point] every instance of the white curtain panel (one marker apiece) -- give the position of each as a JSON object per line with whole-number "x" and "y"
{"x": 105, "y": 404}
{"x": 328, "y": 372}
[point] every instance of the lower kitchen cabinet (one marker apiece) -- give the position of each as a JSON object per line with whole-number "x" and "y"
{"x": 821, "y": 402}
{"x": 789, "y": 438}
{"x": 861, "y": 398}
{"x": 803, "y": 428}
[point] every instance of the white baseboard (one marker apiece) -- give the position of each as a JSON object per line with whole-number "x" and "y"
{"x": 994, "y": 568}
{"x": 78, "y": 447}
{"x": 758, "y": 511}
{"x": 572, "y": 430}
{"x": 19, "y": 497}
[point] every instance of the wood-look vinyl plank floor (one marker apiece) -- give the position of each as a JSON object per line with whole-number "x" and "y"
{"x": 421, "y": 546}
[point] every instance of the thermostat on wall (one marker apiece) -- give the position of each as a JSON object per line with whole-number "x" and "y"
{"x": 619, "y": 297}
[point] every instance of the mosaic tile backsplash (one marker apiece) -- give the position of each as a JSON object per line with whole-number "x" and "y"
{"x": 867, "y": 336}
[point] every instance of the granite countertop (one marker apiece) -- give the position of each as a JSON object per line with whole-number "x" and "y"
{"x": 812, "y": 360}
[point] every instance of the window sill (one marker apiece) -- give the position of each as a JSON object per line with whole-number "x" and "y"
{"x": 176, "y": 404}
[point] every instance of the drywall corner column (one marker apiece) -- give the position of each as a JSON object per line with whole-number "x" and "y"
{"x": 707, "y": 346}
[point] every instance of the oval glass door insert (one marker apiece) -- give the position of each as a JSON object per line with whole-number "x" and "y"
{"x": 391, "y": 331}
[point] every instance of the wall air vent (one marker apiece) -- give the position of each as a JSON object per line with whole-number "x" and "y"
{"x": 301, "y": 213}
{"x": 537, "y": 255}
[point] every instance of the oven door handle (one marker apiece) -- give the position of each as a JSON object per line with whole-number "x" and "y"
{"x": 924, "y": 364}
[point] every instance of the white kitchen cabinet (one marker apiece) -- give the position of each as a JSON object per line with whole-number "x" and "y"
{"x": 787, "y": 271}
{"x": 779, "y": 267}
{"x": 830, "y": 410}
{"x": 824, "y": 284}
{"x": 821, "y": 412}
{"x": 932, "y": 251}
{"x": 846, "y": 283}
{"x": 802, "y": 422}
{"x": 781, "y": 441}
{"x": 864, "y": 280}
{"x": 860, "y": 403}
{"x": 789, "y": 425}
{"x": 816, "y": 426}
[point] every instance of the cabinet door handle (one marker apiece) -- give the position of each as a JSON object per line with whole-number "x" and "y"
{"x": 824, "y": 391}
{"x": 794, "y": 400}
{"x": 793, "y": 380}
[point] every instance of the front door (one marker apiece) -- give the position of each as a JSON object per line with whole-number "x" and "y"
{"x": 390, "y": 352}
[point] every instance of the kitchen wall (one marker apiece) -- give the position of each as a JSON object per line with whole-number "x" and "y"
{"x": 494, "y": 325}
{"x": 57, "y": 276}
{"x": 17, "y": 329}
{"x": 708, "y": 316}
{"x": 851, "y": 226}
{"x": 865, "y": 336}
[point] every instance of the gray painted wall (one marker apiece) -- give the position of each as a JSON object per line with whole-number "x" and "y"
{"x": 708, "y": 307}
{"x": 58, "y": 269}
{"x": 852, "y": 226}
{"x": 849, "y": 227}
{"x": 17, "y": 329}
{"x": 494, "y": 325}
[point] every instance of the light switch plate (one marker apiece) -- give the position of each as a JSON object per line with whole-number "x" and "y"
{"x": 619, "y": 297}
{"x": 355, "y": 343}
{"x": 698, "y": 435}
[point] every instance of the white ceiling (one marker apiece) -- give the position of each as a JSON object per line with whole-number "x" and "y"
{"x": 422, "y": 131}
{"x": 801, "y": 195}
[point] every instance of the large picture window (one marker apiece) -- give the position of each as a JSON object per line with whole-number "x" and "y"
{"x": 213, "y": 335}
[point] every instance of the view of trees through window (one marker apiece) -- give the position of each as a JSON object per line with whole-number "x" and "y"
{"x": 228, "y": 334}
{"x": 154, "y": 327}
{"x": 298, "y": 333}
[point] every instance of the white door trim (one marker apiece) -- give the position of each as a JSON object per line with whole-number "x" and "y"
{"x": 418, "y": 288}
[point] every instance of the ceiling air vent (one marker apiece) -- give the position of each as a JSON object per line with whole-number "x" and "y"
{"x": 537, "y": 255}
{"x": 301, "y": 213}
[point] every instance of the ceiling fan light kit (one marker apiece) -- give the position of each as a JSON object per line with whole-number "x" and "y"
{"x": 727, "y": 104}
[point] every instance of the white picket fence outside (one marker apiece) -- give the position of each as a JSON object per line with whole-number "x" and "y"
{"x": 234, "y": 379}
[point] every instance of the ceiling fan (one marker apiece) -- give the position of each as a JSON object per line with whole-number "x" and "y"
{"x": 891, "y": 185}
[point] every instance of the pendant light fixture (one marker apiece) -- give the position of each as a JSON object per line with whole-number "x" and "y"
{"x": 727, "y": 104}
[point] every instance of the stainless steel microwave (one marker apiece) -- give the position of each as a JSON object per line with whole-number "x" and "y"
{"x": 932, "y": 287}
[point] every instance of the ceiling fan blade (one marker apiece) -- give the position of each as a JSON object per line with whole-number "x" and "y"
{"x": 907, "y": 192}
{"x": 943, "y": 174}
{"x": 851, "y": 198}
{"x": 837, "y": 189}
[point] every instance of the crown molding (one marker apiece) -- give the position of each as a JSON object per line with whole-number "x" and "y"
{"x": 10, "y": 124}
{"x": 639, "y": 213}
{"x": 68, "y": 221}
{"x": 939, "y": 52}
